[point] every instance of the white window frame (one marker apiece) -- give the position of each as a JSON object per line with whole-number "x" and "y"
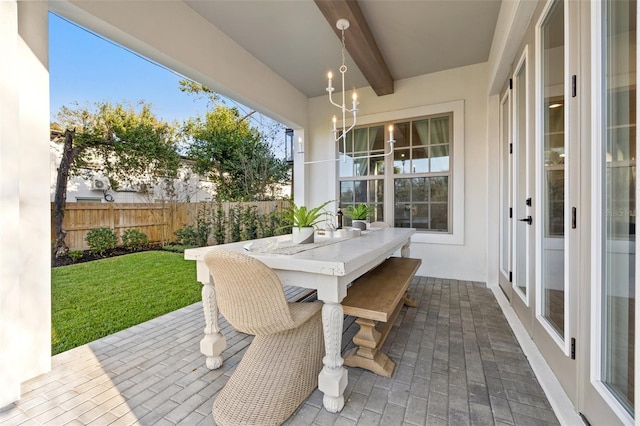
{"x": 597, "y": 87}
{"x": 456, "y": 108}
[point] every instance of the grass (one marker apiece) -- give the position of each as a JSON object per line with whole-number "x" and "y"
{"x": 95, "y": 299}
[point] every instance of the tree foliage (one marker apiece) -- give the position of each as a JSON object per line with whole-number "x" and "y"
{"x": 199, "y": 90}
{"x": 234, "y": 156}
{"x": 120, "y": 142}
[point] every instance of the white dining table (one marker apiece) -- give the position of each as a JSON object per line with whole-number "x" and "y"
{"x": 327, "y": 266}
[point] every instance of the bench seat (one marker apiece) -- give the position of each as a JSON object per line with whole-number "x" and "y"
{"x": 374, "y": 299}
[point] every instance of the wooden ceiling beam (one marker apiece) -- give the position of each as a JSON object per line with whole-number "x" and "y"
{"x": 359, "y": 42}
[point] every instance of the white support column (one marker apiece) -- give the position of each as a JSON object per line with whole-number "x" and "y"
{"x": 9, "y": 206}
{"x": 25, "y": 283}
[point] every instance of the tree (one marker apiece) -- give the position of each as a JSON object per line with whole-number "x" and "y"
{"x": 234, "y": 156}
{"x": 119, "y": 142}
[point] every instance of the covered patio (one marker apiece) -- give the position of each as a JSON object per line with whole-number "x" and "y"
{"x": 515, "y": 156}
{"x": 459, "y": 363}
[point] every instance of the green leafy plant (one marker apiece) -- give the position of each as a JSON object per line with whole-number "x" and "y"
{"x": 219, "y": 224}
{"x": 359, "y": 212}
{"x": 270, "y": 224}
{"x": 134, "y": 238}
{"x": 249, "y": 217}
{"x": 101, "y": 240}
{"x": 234, "y": 225}
{"x": 195, "y": 236}
{"x": 301, "y": 217}
{"x": 187, "y": 236}
{"x": 75, "y": 254}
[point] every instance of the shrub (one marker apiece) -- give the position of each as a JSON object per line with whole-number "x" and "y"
{"x": 235, "y": 226}
{"x": 219, "y": 225}
{"x": 249, "y": 218}
{"x": 101, "y": 240}
{"x": 194, "y": 236}
{"x": 187, "y": 236}
{"x": 133, "y": 238}
{"x": 75, "y": 254}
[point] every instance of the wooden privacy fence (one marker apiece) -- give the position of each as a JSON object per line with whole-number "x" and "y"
{"x": 159, "y": 221}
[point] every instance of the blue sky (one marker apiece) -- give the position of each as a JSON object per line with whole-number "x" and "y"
{"x": 84, "y": 68}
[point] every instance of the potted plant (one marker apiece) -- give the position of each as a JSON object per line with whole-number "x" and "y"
{"x": 358, "y": 215}
{"x": 303, "y": 221}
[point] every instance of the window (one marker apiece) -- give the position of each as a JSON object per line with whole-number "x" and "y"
{"x": 425, "y": 188}
{"x": 362, "y": 177}
{"x": 421, "y": 174}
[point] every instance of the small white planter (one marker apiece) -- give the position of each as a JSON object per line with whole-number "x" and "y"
{"x": 359, "y": 224}
{"x": 302, "y": 235}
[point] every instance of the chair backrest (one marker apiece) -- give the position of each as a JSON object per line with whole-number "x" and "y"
{"x": 248, "y": 293}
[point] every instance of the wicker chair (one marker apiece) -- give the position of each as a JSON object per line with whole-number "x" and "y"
{"x": 280, "y": 368}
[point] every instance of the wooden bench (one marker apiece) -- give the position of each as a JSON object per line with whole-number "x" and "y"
{"x": 375, "y": 300}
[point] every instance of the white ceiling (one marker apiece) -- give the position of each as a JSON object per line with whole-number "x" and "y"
{"x": 415, "y": 37}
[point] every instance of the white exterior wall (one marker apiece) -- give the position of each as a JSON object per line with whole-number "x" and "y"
{"x": 466, "y": 261}
{"x": 188, "y": 187}
{"x": 25, "y": 289}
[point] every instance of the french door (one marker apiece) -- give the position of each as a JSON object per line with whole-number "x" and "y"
{"x": 516, "y": 194}
{"x": 610, "y": 381}
{"x": 558, "y": 189}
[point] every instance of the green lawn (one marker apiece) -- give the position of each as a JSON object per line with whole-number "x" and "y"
{"x": 94, "y": 299}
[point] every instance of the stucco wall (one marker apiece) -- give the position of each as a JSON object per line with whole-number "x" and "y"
{"x": 467, "y": 261}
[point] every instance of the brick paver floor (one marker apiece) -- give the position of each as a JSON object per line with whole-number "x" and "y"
{"x": 458, "y": 363}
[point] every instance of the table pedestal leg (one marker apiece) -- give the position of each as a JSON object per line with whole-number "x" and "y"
{"x": 213, "y": 342}
{"x": 332, "y": 380}
{"x": 405, "y": 251}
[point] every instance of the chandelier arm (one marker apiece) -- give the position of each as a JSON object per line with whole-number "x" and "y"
{"x": 333, "y": 103}
{"x": 364, "y": 157}
{"x": 378, "y": 155}
{"x": 351, "y": 128}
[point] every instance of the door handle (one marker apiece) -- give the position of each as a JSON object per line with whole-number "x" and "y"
{"x": 527, "y": 219}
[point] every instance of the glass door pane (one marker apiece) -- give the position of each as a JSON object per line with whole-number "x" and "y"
{"x": 505, "y": 179}
{"x": 553, "y": 173}
{"x": 618, "y": 200}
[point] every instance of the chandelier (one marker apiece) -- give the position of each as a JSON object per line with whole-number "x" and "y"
{"x": 340, "y": 135}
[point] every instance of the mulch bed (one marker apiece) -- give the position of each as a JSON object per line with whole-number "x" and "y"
{"x": 88, "y": 255}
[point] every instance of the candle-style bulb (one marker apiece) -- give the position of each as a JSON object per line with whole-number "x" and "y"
{"x": 330, "y": 75}
{"x": 334, "y": 120}
{"x": 391, "y": 132}
{"x": 354, "y": 96}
